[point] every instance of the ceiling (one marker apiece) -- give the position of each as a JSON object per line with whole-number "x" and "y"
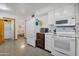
{"x": 27, "y": 9}
{"x": 24, "y": 9}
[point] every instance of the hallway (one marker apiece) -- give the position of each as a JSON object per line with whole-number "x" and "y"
{"x": 19, "y": 48}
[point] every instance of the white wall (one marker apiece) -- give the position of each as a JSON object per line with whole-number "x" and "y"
{"x": 21, "y": 29}
{"x": 18, "y": 18}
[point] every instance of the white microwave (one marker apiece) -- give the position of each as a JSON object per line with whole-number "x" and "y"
{"x": 65, "y": 22}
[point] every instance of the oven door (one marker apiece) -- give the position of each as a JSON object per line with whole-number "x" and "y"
{"x": 65, "y": 45}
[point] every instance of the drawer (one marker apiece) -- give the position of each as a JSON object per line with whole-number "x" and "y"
{"x": 40, "y": 37}
{"x": 49, "y": 36}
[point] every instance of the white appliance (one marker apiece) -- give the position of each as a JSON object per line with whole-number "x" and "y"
{"x": 30, "y": 32}
{"x": 64, "y": 38}
{"x": 48, "y": 41}
{"x": 66, "y": 22}
{"x": 64, "y": 44}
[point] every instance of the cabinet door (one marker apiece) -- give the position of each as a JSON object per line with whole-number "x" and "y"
{"x": 58, "y": 14}
{"x": 48, "y": 47}
{"x": 1, "y": 31}
{"x": 65, "y": 12}
{"x": 69, "y": 11}
{"x": 48, "y": 43}
{"x": 51, "y": 18}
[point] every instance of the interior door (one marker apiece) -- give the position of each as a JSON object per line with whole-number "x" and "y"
{"x": 30, "y": 33}
{"x": 1, "y": 31}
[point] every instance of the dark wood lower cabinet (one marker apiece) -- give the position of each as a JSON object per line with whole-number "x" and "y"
{"x": 40, "y": 40}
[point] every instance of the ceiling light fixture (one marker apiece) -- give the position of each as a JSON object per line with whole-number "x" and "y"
{"x": 4, "y": 7}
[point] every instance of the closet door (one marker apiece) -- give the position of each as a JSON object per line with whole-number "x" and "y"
{"x": 1, "y": 31}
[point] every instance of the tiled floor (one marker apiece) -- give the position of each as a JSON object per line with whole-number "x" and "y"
{"x": 20, "y": 48}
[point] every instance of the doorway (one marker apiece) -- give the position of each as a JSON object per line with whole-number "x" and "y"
{"x": 9, "y": 28}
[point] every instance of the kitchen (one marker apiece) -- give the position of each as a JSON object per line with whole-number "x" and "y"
{"x": 55, "y": 29}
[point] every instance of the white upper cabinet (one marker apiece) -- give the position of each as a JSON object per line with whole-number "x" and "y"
{"x": 69, "y": 11}
{"x": 65, "y": 12}
{"x": 58, "y": 13}
{"x": 51, "y": 19}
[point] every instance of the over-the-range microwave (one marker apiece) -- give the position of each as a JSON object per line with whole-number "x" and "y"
{"x": 65, "y": 22}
